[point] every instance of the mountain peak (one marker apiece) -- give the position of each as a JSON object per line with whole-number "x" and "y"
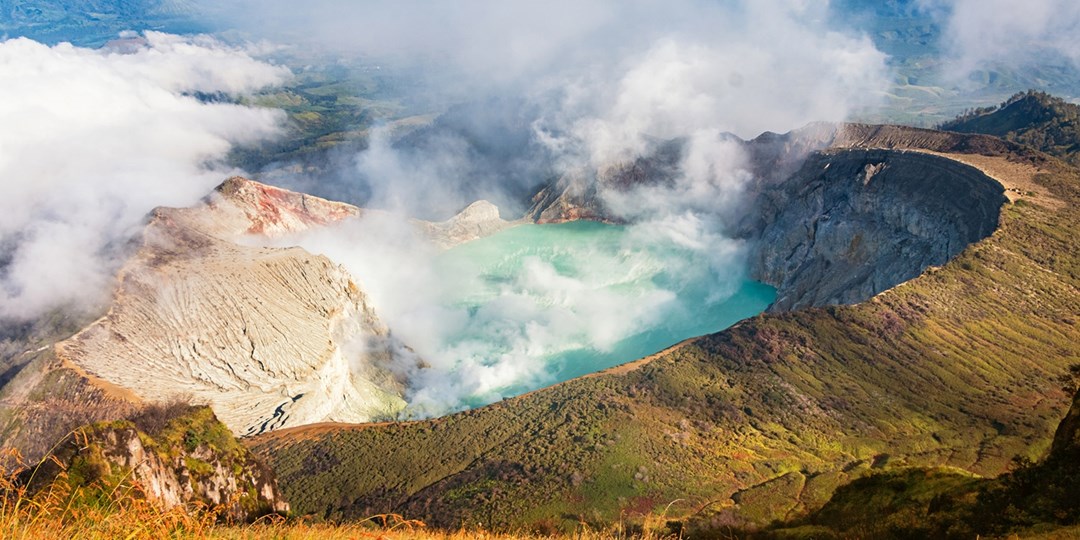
{"x": 273, "y": 211}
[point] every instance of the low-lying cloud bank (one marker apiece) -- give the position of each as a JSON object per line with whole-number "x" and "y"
{"x": 92, "y": 140}
{"x": 982, "y": 34}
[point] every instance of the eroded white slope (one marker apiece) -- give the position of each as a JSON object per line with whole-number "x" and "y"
{"x": 269, "y": 337}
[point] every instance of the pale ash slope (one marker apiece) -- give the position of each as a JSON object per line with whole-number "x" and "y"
{"x": 477, "y": 220}
{"x": 269, "y": 337}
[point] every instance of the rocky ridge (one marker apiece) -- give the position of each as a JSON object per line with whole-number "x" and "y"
{"x": 192, "y": 460}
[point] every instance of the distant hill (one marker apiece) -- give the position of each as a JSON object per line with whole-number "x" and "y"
{"x": 1033, "y": 118}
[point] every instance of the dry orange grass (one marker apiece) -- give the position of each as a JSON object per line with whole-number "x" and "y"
{"x": 64, "y": 508}
{"x": 67, "y": 508}
{"x": 397, "y": 529}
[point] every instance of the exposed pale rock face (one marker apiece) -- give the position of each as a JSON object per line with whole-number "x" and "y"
{"x": 269, "y": 337}
{"x": 477, "y": 220}
{"x": 243, "y": 206}
{"x": 232, "y": 479}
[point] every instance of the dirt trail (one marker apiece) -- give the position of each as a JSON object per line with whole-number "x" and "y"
{"x": 1017, "y": 178}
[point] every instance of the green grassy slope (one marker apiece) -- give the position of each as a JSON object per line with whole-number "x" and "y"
{"x": 1034, "y": 499}
{"x": 756, "y": 423}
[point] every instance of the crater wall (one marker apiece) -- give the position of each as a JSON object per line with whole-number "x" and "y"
{"x": 851, "y": 223}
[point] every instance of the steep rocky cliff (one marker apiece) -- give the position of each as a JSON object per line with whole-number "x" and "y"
{"x": 837, "y": 212}
{"x": 190, "y": 459}
{"x": 852, "y": 222}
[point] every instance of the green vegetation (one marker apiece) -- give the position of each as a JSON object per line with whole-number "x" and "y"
{"x": 1032, "y": 118}
{"x": 176, "y": 428}
{"x": 183, "y": 452}
{"x": 1031, "y": 499}
{"x": 905, "y": 503}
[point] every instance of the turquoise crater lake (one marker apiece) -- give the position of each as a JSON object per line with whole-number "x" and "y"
{"x": 540, "y": 304}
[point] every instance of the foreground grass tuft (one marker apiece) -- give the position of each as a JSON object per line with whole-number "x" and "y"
{"x": 107, "y": 508}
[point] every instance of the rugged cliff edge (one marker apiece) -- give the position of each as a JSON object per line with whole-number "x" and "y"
{"x": 851, "y": 223}
{"x": 190, "y": 459}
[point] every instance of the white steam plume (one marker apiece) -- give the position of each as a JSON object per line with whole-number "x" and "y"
{"x": 981, "y": 34}
{"x": 494, "y": 323}
{"x": 599, "y": 76}
{"x": 769, "y": 70}
{"x": 92, "y": 140}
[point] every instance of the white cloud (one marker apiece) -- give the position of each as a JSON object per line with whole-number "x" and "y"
{"x": 92, "y": 140}
{"x": 602, "y": 78}
{"x": 978, "y": 34}
{"x": 762, "y": 69}
{"x": 669, "y": 66}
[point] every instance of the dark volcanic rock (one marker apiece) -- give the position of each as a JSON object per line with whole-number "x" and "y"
{"x": 1067, "y": 436}
{"x": 852, "y": 223}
